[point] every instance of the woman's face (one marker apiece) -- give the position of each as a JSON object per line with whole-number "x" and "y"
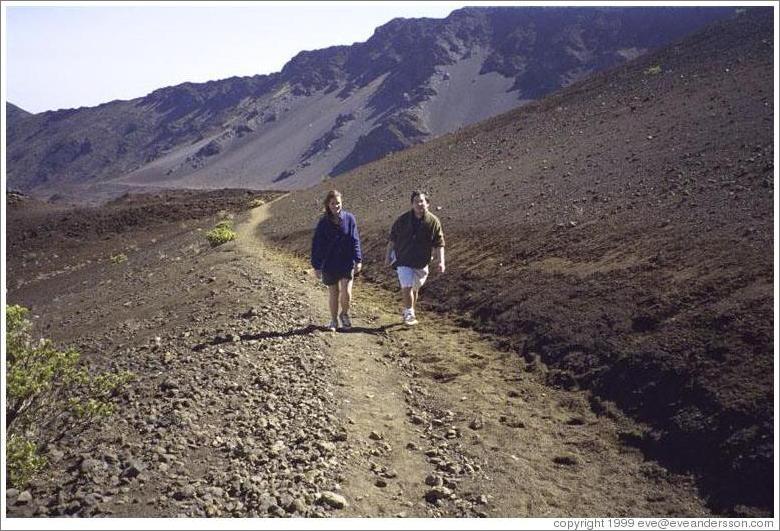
{"x": 335, "y": 205}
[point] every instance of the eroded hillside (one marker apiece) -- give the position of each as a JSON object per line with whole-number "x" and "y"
{"x": 331, "y": 110}
{"x": 621, "y": 231}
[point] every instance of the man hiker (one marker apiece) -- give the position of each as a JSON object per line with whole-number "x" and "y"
{"x": 416, "y": 238}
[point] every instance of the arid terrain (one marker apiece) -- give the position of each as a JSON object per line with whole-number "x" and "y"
{"x": 331, "y": 110}
{"x": 600, "y": 344}
{"x": 244, "y": 407}
{"x": 621, "y": 230}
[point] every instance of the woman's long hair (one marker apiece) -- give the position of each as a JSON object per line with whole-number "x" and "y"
{"x": 336, "y": 220}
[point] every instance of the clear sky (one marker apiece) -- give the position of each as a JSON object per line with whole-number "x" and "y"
{"x": 65, "y": 56}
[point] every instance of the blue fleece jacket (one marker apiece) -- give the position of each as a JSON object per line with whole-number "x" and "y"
{"x": 336, "y": 249}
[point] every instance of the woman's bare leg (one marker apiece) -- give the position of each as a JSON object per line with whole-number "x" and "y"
{"x": 333, "y": 301}
{"x": 346, "y": 295}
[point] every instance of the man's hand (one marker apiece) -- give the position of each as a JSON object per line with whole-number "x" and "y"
{"x": 318, "y": 274}
{"x": 358, "y": 268}
{"x": 438, "y": 258}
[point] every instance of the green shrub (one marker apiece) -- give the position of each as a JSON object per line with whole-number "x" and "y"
{"x": 653, "y": 70}
{"x": 48, "y": 395}
{"x": 221, "y": 233}
{"x": 119, "y": 258}
{"x": 23, "y": 460}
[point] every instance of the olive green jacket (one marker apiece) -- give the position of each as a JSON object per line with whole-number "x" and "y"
{"x": 413, "y": 247}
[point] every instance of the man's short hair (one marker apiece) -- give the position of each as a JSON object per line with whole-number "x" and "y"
{"x": 420, "y": 192}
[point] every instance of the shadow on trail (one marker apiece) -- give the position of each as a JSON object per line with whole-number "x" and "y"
{"x": 376, "y": 331}
{"x": 236, "y": 338}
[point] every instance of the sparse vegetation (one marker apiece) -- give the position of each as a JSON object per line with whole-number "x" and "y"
{"x": 653, "y": 70}
{"x": 23, "y": 460}
{"x": 49, "y": 394}
{"x": 119, "y": 258}
{"x": 221, "y": 233}
{"x": 254, "y": 203}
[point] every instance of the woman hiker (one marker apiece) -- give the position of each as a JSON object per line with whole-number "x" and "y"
{"x": 336, "y": 257}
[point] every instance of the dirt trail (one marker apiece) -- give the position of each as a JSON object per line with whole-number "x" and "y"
{"x": 439, "y": 411}
{"x": 243, "y": 407}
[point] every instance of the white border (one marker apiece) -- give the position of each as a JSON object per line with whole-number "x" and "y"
{"x": 354, "y": 523}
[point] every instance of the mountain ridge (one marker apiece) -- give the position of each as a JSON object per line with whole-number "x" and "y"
{"x": 254, "y": 131}
{"x": 615, "y": 235}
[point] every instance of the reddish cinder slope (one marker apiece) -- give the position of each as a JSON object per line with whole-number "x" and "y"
{"x": 620, "y": 229}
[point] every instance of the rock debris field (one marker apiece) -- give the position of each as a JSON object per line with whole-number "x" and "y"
{"x": 243, "y": 407}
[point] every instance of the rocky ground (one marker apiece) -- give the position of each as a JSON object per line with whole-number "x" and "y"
{"x": 610, "y": 253}
{"x": 244, "y": 407}
{"x": 622, "y": 230}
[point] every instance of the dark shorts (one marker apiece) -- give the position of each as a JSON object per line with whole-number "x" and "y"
{"x": 329, "y": 277}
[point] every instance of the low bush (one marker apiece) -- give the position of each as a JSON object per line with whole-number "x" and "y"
{"x": 119, "y": 258}
{"x": 49, "y": 395}
{"x": 221, "y": 233}
{"x": 23, "y": 461}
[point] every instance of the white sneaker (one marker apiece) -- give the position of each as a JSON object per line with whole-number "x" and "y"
{"x": 409, "y": 319}
{"x": 331, "y": 326}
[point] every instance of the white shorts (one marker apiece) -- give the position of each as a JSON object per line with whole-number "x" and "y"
{"x": 410, "y": 277}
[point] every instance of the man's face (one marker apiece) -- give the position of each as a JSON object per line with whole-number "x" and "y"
{"x": 420, "y": 205}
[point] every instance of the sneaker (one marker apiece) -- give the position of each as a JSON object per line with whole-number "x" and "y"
{"x": 346, "y": 321}
{"x": 409, "y": 319}
{"x": 332, "y": 326}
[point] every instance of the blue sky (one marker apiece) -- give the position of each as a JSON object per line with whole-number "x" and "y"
{"x": 83, "y": 55}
